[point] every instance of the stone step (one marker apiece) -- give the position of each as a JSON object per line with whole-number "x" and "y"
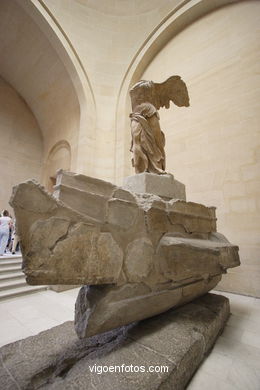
{"x": 15, "y": 292}
{"x": 13, "y": 268}
{"x": 12, "y": 279}
{"x": 11, "y": 284}
{"x": 8, "y": 262}
{"x": 11, "y": 275}
{"x": 9, "y": 256}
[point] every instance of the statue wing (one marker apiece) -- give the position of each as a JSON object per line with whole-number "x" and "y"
{"x": 160, "y": 94}
{"x": 173, "y": 89}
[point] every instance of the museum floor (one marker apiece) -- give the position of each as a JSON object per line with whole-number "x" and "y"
{"x": 233, "y": 364}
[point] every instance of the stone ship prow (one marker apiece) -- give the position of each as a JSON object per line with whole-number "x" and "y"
{"x": 136, "y": 254}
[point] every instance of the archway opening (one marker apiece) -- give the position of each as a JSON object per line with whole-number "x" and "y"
{"x": 58, "y": 158}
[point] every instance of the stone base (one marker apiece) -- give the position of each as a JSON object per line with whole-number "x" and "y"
{"x": 164, "y": 186}
{"x": 178, "y": 339}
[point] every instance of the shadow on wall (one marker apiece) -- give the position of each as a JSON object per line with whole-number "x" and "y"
{"x": 21, "y": 145}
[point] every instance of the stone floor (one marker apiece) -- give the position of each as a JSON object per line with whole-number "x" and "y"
{"x": 233, "y": 364}
{"x": 28, "y": 315}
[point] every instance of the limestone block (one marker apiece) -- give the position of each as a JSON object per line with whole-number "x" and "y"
{"x": 162, "y": 185}
{"x": 122, "y": 194}
{"x": 30, "y": 200}
{"x": 60, "y": 246}
{"x": 122, "y": 214}
{"x": 78, "y": 255}
{"x": 195, "y": 209}
{"x": 178, "y": 339}
{"x": 202, "y": 257}
{"x": 83, "y": 202}
{"x": 84, "y": 183}
{"x": 157, "y": 220}
{"x": 48, "y": 232}
{"x": 193, "y": 216}
{"x": 139, "y": 259}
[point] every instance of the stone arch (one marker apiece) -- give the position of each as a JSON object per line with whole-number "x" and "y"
{"x": 59, "y": 157}
{"x": 50, "y": 77}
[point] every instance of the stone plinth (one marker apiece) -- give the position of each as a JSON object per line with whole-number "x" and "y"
{"x": 164, "y": 186}
{"x": 177, "y": 340}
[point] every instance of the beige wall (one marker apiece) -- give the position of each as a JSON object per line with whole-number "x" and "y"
{"x": 21, "y": 146}
{"x": 106, "y": 34}
{"x": 214, "y": 146}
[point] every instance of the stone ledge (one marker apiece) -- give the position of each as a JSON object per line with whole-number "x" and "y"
{"x": 178, "y": 339}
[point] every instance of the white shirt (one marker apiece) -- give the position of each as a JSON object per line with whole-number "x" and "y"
{"x": 5, "y": 222}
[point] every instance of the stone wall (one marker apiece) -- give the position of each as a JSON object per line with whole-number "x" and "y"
{"x": 214, "y": 146}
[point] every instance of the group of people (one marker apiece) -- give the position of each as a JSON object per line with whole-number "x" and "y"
{"x": 8, "y": 237}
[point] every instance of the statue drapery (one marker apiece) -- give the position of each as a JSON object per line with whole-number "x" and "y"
{"x": 148, "y": 140}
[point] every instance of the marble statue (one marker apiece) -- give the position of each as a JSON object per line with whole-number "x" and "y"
{"x": 148, "y": 140}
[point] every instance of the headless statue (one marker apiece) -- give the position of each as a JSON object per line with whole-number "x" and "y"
{"x": 148, "y": 140}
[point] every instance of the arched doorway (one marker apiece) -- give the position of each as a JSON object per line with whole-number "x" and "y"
{"x": 58, "y": 158}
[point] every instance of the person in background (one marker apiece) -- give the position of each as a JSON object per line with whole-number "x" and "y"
{"x": 5, "y": 225}
{"x": 15, "y": 238}
{"x": 9, "y": 242}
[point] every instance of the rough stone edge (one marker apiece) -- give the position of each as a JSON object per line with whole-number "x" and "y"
{"x": 211, "y": 345}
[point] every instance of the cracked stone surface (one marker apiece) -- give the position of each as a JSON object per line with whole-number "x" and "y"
{"x": 136, "y": 254}
{"x": 178, "y": 339}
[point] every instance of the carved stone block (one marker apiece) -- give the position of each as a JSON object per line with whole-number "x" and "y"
{"x": 137, "y": 254}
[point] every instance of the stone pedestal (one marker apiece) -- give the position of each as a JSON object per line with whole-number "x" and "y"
{"x": 177, "y": 340}
{"x": 164, "y": 186}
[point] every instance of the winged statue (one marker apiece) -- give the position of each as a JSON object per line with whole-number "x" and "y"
{"x": 148, "y": 140}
